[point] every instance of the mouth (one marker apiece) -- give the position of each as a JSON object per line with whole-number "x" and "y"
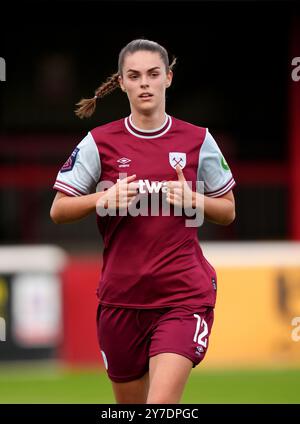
{"x": 145, "y": 96}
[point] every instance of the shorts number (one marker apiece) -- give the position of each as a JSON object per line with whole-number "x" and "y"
{"x": 200, "y": 338}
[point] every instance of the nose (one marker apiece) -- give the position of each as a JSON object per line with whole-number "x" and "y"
{"x": 144, "y": 82}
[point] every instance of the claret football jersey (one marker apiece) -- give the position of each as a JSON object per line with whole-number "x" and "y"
{"x": 149, "y": 260}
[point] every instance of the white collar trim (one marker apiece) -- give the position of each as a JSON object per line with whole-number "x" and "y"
{"x": 168, "y": 117}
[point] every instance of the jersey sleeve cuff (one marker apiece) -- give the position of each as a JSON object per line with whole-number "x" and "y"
{"x": 67, "y": 189}
{"x": 223, "y": 190}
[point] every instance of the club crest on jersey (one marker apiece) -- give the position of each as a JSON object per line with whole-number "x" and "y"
{"x": 177, "y": 158}
{"x": 68, "y": 165}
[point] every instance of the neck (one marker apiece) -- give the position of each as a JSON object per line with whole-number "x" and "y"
{"x": 148, "y": 121}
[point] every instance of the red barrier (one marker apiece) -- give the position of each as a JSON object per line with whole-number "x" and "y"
{"x": 294, "y": 133}
{"x": 80, "y": 281}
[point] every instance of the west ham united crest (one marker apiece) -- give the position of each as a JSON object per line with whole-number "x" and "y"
{"x": 177, "y": 158}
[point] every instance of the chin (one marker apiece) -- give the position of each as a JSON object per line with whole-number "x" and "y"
{"x": 146, "y": 108}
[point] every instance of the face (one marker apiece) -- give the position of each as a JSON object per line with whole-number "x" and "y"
{"x": 144, "y": 79}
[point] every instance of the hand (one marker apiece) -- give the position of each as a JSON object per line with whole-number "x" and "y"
{"x": 120, "y": 195}
{"x": 179, "y": 193}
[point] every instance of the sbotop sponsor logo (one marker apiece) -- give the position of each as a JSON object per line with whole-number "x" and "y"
{"x": 296, "y": 329}
{"x": 145, "y": 200}
{"x": 2, "y": 330}
{"x": 2, "y": 69}
{"x": 296, "y": 69}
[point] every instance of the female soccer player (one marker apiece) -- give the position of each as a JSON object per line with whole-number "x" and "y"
{"x": 157, "y": 292}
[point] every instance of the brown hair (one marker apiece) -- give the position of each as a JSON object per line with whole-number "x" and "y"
{"x": 86, "y": 107}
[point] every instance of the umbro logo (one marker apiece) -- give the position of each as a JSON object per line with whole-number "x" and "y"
{"x": 123, "y": 162}
{"x": 199, "y": 350}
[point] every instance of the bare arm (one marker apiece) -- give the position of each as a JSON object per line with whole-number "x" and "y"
{"x": 67, "y": 209}
{"x": 219, "y": 210}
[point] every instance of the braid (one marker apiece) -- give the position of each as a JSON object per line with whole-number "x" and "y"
{"x": 108, "y": 86}
{"x": 86, "y": 107}
{"x": 173, "y": 63}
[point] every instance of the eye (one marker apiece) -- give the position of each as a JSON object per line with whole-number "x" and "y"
{"x": 154, "y": 74}
{"x": 132, "y": 76}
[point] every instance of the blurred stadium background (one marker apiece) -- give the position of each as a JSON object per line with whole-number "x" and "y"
{"x": 234, "y": 76}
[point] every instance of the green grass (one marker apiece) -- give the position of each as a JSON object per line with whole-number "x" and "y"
{"x": 269, "y": 386}
{"x": 54, "y": 385}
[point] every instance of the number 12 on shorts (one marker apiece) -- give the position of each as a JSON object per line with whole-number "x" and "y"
{"x": 200, "y": 338}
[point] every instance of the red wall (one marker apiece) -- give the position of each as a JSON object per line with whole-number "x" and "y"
{"x": 79, "y": 283}
{"x": 294, "y": 134}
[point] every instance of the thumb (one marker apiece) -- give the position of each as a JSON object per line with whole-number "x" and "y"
{"x": 180, "y": 173}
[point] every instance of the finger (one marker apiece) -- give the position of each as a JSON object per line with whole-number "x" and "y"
{"x": 177, "y": 198}
{"x": 131, "y": 194}
{"x": 173, "y": 184}
{"x": 132, "y": 190}
{"x": 170, "y": 197}
{"x": 128, "y": 179}
{"x": 169, "y": 200}
{"x": 178, "y": 191}
{"x": 180, "y": 173}
{"x": 170, "y": 188}
{"x": 129, "y": 186}
{"x": 126, "y": 188}
{"x": 170, "y": 194}
{"x": 133, "y": 186}
{"x": 126, "y": 201}
{"x": 173, "y": 200}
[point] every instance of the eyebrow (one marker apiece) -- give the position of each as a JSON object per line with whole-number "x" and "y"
{"x": 149, "y": 70}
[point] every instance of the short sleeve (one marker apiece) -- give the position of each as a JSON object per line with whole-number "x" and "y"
{"x": 213, "y": 169}
{"x": 81, "y": 172}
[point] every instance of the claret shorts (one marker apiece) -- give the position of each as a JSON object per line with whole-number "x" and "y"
{"x": 129, "y": 337}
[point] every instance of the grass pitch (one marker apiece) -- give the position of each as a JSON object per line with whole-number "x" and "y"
{"x": 40, "y": 384}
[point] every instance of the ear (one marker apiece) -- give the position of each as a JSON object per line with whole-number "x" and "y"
{"x": 121, "y": 83}
{"x": 169, "y": 78}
